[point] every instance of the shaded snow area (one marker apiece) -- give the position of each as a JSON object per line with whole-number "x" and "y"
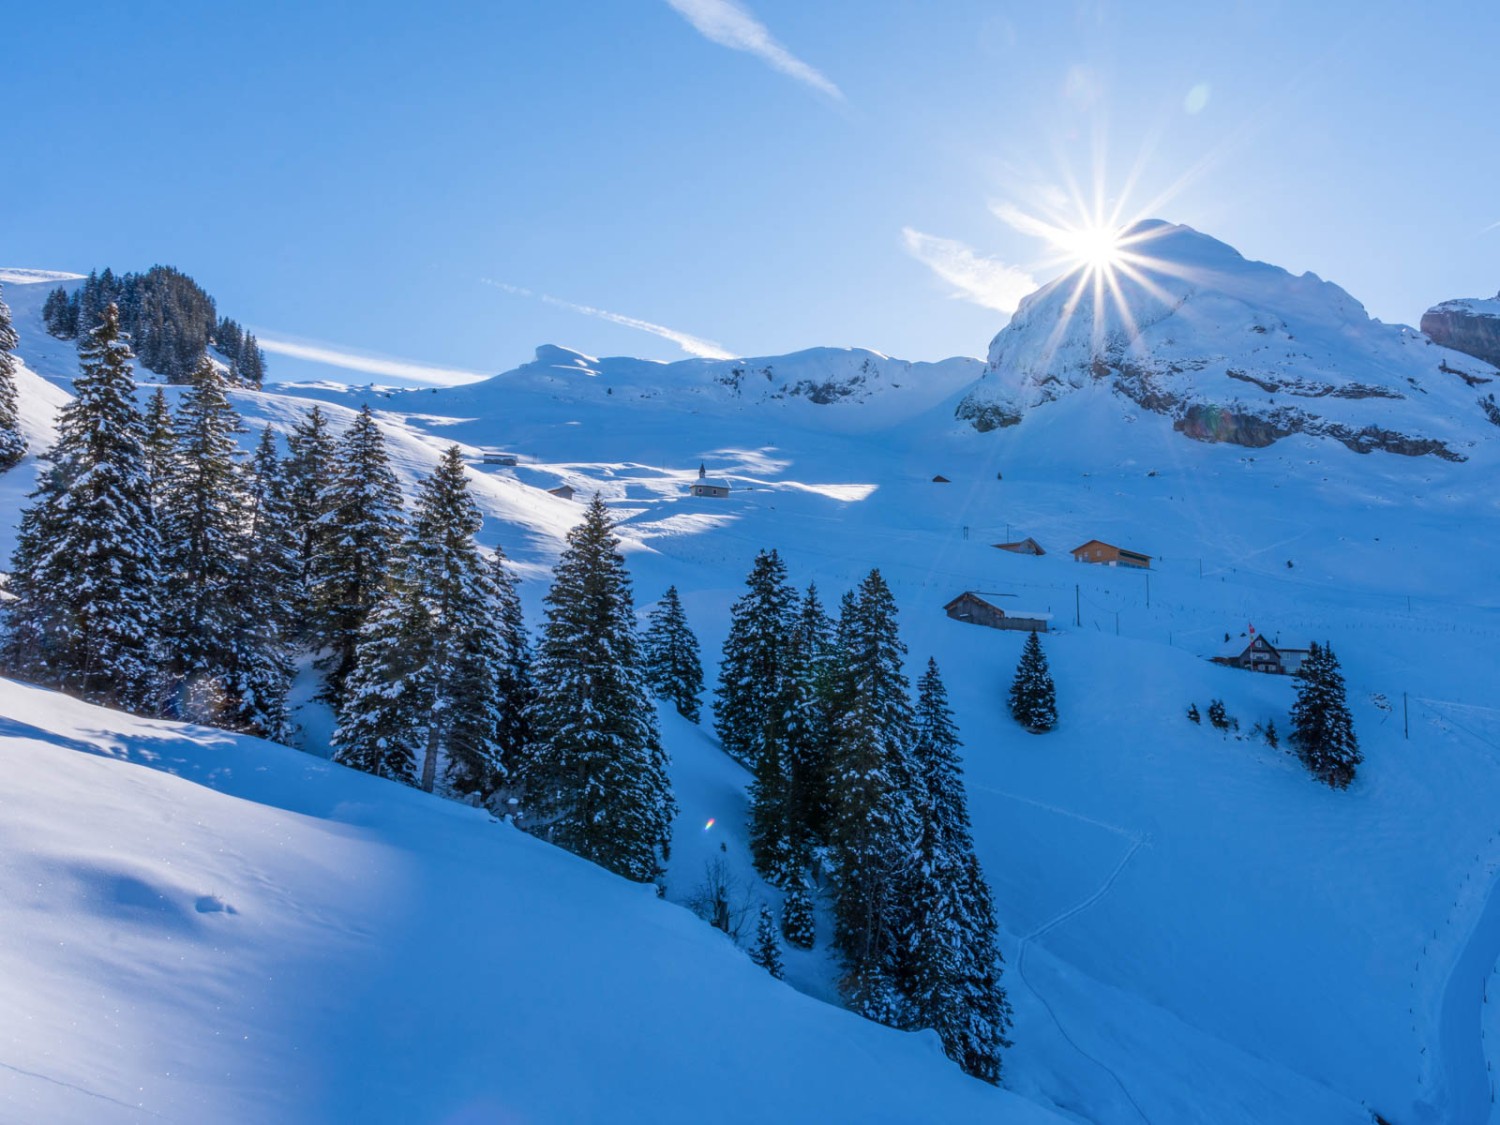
{"x": 203, "y": 927}
{"x": 1195, "y": 931}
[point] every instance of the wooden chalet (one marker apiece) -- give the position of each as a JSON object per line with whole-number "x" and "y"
{"x": 1107, "y": 554}
{"x": 1027, "y": 546}
{"x": 1260, "y": 655}
{"x": 978, "y": 610}
{"x": 495, "y": 457}
{"x": 563, "y": 490}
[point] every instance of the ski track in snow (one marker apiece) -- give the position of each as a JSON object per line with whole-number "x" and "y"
{"x": 1078, "y": 908}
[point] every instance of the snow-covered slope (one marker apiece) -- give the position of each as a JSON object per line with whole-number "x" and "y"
{"x": 202, "y": 927}
{"x": 1232, "y": 350}
{"x": 1194, "y": 930}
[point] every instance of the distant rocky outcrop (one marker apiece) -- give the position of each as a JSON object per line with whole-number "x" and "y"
{"x": 1238, "y": 351}
{"x": 1468, "y": 326}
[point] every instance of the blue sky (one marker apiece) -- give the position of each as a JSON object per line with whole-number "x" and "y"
{"x": 454, "y": 184}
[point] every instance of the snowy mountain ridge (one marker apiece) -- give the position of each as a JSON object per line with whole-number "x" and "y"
{"x": 1232, "y": 350}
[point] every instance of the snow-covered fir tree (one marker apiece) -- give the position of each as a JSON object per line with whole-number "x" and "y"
{"x": 873, "y": 823}
{"x": 517, "y": 692}
{"x": 790, "y": 783}
{"x": 161, "y": 445}
{"x": 797, "y": 921}
{"x": 361, "y": 529}
{"x": 673, "y": 667}
{"x": 311, "y": 451}
{"x": 949, "y": 953}
{"x": 12, "y": 440}
{"x": 1033, "y": 697}
{"x": 1322, "y": 727}
{"x": 225, "y": 657}
{"x": 85, "y": 575}
{"x": 751, "y": 666}
{"x": 766, "y": 952}
{"x": 424, "y": 691}
{"x": 597, "y": 781}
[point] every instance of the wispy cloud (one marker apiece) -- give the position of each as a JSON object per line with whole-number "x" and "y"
{"x": 987, "y": 282}
{"x": 1493, "y": 226}
{"x": 369, "y": 364}
{"x": 693, "y": 345}
{"x": 728, "y": 24}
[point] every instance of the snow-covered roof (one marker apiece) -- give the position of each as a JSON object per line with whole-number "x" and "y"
{"x": 711, "y": 482}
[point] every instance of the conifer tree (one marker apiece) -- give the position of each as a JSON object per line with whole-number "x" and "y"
{"x": 1033, "y": 698}
{"x": 12, "y": 440}
{"x": 949, "y": 956}
{"x": 673, "y": 668}
{"x": 161, "y": 446}
{"x": 311, "y": 451}
{"x": 85, "y": 573}
{"x": 767, "y": 949}
{"x": 517, "y": 692}
{"x": 425, "y": 688}
{"x": 873, "y": 824}
{"x": 797, "y": 923}
{"x": 226, "y": 659}
{"x": 597, "y": 781}
{"x": 362, "y": 529}
{"x": 1192, "y": 714}
{"x": 751, "y": 667}
{"x": 1322, "y": 727}
{"x": 787, "y": 794}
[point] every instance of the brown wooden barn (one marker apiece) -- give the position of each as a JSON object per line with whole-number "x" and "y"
{"x": 563, "y": 490}
{"x": 978, "y": 610}
{"x": 1107, "y": 554}
{"x": 1027, "y": 546}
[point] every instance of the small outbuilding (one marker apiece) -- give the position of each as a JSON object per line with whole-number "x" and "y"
{"x": 1027, "y": 546}
{"x": 979, "y": 610}
{"x": 940, "y": 479}
{"x": 565, "y": 491}
{"x": 1107, "y": 554}
{"x": 495, "y": 457}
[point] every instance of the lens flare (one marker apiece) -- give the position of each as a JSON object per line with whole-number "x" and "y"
{"x": 709, "y": 825}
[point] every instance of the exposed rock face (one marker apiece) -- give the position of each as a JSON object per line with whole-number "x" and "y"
{"x": 1237, "y": 351}
{"x": 1468, "y": 326}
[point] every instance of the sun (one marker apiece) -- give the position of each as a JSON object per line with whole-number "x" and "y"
{"x": 1097, "y": 248}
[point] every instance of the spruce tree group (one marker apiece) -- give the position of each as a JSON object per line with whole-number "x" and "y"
{"x": 951, "y": 965}
{"x": 12, "y": 440}
{"x": 311, "y": 451}
{"x": 1033, "y": 697}
{"x": 597, "y": 780}
{"x": 849, "y": 777}
{"x": 673, "y": 667}
{"x": 426, "y": 688}
{"x": 86, "y": 570}
{"x": 169, "y": 318}
{"x": 1322, "y": 727}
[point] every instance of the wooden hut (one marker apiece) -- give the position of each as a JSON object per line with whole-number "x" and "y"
{"x": 975, "y": 609}
{"x": 1107, "y": 554}
{"x": 1027, "y": 546}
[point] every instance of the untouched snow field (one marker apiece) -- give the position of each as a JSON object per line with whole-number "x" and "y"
{"x": 1194, "y": 930}
{"x": 203, "y": 927}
